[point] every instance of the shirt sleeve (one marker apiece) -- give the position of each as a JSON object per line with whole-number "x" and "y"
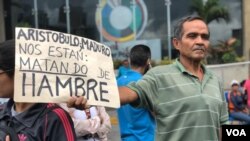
{"x": 223, "y": 108}
{"x": 105, "y": 123}
{"x": 59, "y": 126}
{"x": 87, "y": 126}
{"x": 147, "y": 89}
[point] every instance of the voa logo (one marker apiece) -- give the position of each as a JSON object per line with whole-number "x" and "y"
{"x": 236, "y": 132}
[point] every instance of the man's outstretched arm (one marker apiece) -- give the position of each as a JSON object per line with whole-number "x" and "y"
{"x": 127, "y": 95}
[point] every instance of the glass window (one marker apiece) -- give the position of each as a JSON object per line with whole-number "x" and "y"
{"x": 117, "y": 19}
{"x": 51, "y": 15}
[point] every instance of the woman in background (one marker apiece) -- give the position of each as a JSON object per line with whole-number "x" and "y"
{"x": 91, "y": 124}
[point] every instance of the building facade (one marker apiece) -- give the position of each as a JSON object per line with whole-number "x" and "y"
{"x": 246, "y": 23}
{"x": 120, "y": 24}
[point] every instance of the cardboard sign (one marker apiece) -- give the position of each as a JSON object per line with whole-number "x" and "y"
{"x": 53, "y": 66}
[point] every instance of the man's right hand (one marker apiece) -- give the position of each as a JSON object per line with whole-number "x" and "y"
{"x": 77, "y": 102}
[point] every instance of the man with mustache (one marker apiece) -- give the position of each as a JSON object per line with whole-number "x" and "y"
{"x": 186, "y": 98}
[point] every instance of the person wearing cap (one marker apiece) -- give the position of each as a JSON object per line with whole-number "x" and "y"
{"x": 237, "y": 107}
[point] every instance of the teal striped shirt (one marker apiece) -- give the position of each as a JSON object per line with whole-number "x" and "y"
{"x": 185, "y": 108}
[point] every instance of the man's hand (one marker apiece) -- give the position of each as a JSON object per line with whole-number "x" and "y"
{"x": 77, "y": 102}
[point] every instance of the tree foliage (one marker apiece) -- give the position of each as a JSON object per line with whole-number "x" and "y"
{"x": 224, "y": 52}
{"x": 209, "y": 11}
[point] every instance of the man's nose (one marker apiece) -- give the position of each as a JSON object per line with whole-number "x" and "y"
{"x": 199, "y": 40}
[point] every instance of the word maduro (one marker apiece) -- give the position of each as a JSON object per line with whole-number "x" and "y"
{"x": 74, "y": 86}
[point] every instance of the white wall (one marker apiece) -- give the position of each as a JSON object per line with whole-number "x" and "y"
{"x": 229, "y": 72}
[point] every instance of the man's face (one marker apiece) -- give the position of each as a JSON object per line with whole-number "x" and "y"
{"x": 6, "y": 85}
{"x": 235, "y": 87}
{"x": 194, "y": 42}
{"x": 125, "y": 63}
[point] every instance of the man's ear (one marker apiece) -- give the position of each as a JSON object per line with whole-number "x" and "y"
{"x": 176, "y": 43}
{"x": 149, "y": 63}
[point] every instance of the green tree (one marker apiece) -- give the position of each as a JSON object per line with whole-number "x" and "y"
{"x": 210, "y": 10}
{"x": 224, "y": 52}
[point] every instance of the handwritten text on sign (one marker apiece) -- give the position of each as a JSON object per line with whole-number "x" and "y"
{"x": 52, "y": 66}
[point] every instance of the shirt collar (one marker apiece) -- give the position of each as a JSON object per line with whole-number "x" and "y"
{"x": 178, "y": 64}
{"x": 134, "y": 72}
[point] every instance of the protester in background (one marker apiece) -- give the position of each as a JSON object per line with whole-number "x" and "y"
{"x": 91, "y": 124}
{"x": 123, "y": 68}
{"x": 241, "y": 86}
{"x": 187, "y": 99}
{"x": 31, "y": 121}
{"x": 243, "y": 90}
{"x": 247, "y": 88}
{"x": 237, "y": 106}
{"x": 136, "y": 124}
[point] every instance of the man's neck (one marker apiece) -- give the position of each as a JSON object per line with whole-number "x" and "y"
{"x": 140, "y": 70}
{"x": 193, "y": 67}
{"x": 20, "y": 107}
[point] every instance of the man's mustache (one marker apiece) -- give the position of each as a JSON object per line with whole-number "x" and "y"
{"x": 199, "y": 47}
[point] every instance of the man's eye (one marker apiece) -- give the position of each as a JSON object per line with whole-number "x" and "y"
{"x": 192, "y": 35}
{"x": 205, "y": 36}
{"x": 195, "y": 35}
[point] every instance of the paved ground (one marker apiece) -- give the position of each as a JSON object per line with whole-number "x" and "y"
{"x": 114, "y": 135}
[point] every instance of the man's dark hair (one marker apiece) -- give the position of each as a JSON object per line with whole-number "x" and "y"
{"x": 7, "y": 57}
{"x": 139, "y": 55}
{"x": 242, "y": 83}
{"x": 178, "y": 28}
